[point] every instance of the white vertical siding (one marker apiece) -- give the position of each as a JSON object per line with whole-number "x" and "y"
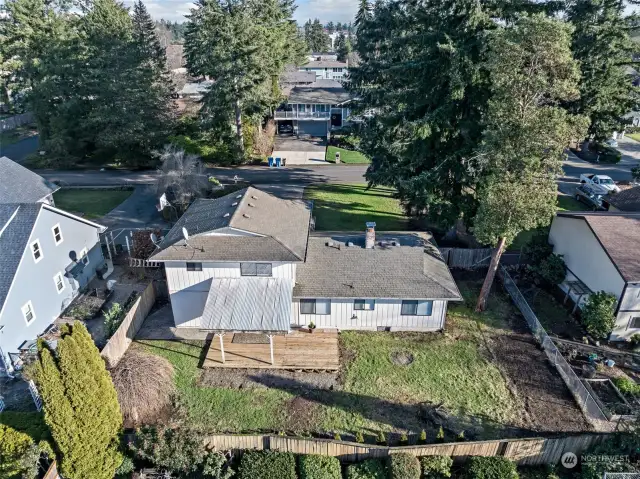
{"x": 385, "y": 315}
{"x": 629, "y": 309}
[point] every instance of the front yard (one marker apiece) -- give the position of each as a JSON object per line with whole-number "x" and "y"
{"x": 347, "y": 207}
{"x": 90, "y": 203}
{"x": 346, "y": 156}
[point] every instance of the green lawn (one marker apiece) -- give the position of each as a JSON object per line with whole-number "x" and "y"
{"x": 633, "y": 136}
{"x": 375, "y": 394}
{"x": 346, "y": 156}
{"x": 348, "y": 207}
{"x": 90, "y": 203}
{"x": 17, "y": 134}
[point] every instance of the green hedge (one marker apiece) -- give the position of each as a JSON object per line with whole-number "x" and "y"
{"x": 30, "y": 423}
{"x": 367, "y": 469}
{"x": 267, "y": 465}
{"x": 490, "y": 468}
{"x": 403, "y": 466}
{"x": 313, "y": 466}
{"x": 436, "y": 466}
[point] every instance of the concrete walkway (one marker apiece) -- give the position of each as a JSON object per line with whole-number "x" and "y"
{"x": 300, "y": 151}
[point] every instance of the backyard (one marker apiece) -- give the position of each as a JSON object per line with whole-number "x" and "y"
{"x": 346, "y": 156}
{"x": 347, "y": 207}
{"x": 90, "y": 203}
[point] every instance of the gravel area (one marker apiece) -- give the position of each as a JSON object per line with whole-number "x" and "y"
{"x": 263, "y": 378}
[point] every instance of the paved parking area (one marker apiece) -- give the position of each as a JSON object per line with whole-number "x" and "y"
{"x": 300, "y": 150}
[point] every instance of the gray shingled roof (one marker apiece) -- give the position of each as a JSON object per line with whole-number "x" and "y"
{"x": 321, "y": 92}
{"x": 298, "y": 77}
{"x": 325, "y": 64}
{"x": 413, "y": 270}
{"x": 280, "y": 229}
{"x": 248, "y": 304}
{"x": 20, "y": 185}
{"x": 626, "y": 200}
{"x": 619, "y": 235}
{"x": 16, "y": 223}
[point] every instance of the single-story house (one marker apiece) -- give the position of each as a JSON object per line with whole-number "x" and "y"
{"x": 627, "y": 200}
{"x": 21, "y": 185}
{"x": 247, "y": 262}
{"x": 601, "y": 252}
{"x": 326, "y": 69}
{"x": 48, "y": 255}
{"x": 315, "y": 109}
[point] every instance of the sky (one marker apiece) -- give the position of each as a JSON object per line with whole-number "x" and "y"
{"x": 325, "y": 10}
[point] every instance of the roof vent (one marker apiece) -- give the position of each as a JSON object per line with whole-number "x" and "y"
{"x": 235, "y": 203}
{"x": 252, "y": 205}
{"x": 225, "y": 215}
{"x": 254, "y": 197}
{"x": 246, "y": 215}
{"x": 330, "y": 243}
{"x": 239, "y": 196}
{"x": 395, "y": 242}
{"x": 349, "y": 243}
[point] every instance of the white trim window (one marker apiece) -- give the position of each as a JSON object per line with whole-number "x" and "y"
{"x": 364, "y": 304}
{"x": 28, "y": 313}
{"x": 57, "y": 234}
{"x": 84, "y": 256}
{"x": 634, "y": 323}
{"x": 36, "y": 251}
{"x": 416, "y": 308}
{"x": 315, "y": 306}
{"x": 58, "y": 280}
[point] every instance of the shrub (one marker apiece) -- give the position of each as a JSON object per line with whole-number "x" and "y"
{"x": 440, "y": 436}
{"x": 178, "y": 450}
{"x": 359, "y": 437}
{"x": 635, "y": 173}
{"x": 312, "y": 466}
{"x": 552, "y": 269}
{"x": 381, "y": 438}
{"x": 267, "y": 465}
{"x": 112, "y": 318}
{"x": 367, "y": 469}
{"x": 126, "y": 467}
{"x": 436, "y": 467}
{"x": 403, "y": 466}
{"x": 635, "y": 339}
{"x": 627, "y": 386}
{"x": 144, "y": 383}
{"x": 423, "y": 436}
{"x": 598, "y": 314}
{"x": 404, "y": 439}
{"x": 479, "y": 467}
{"x": 18, "y": 454}
{"x": 538, "y": 247}
{"x": 30, "y": 423}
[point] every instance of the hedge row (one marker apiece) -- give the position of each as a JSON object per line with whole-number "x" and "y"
{"x": 282, "y": 465}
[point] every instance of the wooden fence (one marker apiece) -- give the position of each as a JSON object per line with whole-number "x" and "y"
{"x": 531, "y": 452}
{"x": 473, "y": 258}
{"x": 131, "y": 324}
{"x": 15, "y": 121}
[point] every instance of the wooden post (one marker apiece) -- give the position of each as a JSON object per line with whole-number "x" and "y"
{"x": 271, "y": 347}
{"x": 126, "y": 239}
{"x": 222, "y": 347}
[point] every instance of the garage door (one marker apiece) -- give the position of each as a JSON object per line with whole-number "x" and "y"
{"x": 312, "y": 128}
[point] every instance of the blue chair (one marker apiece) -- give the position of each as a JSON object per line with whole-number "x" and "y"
{"x": 270, "y": 159}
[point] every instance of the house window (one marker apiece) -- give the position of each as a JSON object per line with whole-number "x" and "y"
{"x": 256, "y": 269}
{"x": 194, "y": 266}
{"x": 27, "y": 312}
{"x": 315, "y": 306}
{"x": 337, "y": 70}
{"x": 57, "y": 234}
{"x": 635, "y": 322}
{"x": 84, "y": 256}
{"x": 36, "y": 250}
{"x": 364, "y": 304}
{"x": 59, "y": 282}
{"x": 416, "y": 308}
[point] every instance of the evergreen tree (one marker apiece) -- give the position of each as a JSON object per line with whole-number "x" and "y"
{"x": 343, "y": 47}
{"x": 339, "y": 27}
{"x": 80, "y": 406}
{"x": 602, "y": 46}
{"x": 363, "y": 14}
{"x": 532, "y": 71}
{"x": 331, "y": 27}
{"x": 316, "y": 38}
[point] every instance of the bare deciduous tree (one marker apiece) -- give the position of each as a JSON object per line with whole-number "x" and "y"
{"x": 181, "y": 177}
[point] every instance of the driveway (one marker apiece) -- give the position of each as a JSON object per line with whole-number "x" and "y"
{"x": 300, "y": 150}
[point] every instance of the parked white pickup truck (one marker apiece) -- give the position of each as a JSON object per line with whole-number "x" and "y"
{"x": 602, "y": 180}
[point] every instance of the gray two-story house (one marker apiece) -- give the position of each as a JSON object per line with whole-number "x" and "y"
{"x": 47, "y": 256}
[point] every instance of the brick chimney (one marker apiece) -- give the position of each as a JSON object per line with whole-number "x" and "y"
{"x": 370, "y": 235}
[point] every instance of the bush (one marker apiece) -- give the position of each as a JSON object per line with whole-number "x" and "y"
{"x": 598, "y": 314}
{"x": 552, "y": 269}
{"x": 113, "y": 317}
{"x": 620, "y": 447}
{"x": 267, "y": 465}
{"x": 491, "y": 468}
{"x": 126, "y": 467}
{"x": 538, "y": 247}
{"x": 627, "y": 386}
{"x": 635, "y": 339}
{"x": 423, "y": 436}
{"x": 18, "y": 454}
{"x": 178, "y": 450}
{"x": 381, "y": 438}
{"x": 367, "y": 469}
{"x": 312, "y": 466}
{"x": 403, "y": 466}
{"x": 436, "y": 466}
{"x": 359, "y": 437}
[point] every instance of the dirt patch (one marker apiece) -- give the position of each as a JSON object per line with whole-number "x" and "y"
{"x": 302, "y": 415}
{"x": 401, "y": 358}
{"x": 548, "y": 402}
{"x": 266, "y": 378}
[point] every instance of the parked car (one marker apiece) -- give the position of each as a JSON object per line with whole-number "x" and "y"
{"x": 600, "y": 180}
{"x": 611, "y": 142}
{"x": 591, "y": 195}
{"x": 284, "y": 129}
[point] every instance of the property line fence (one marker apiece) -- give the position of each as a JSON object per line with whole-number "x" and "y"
{"x": 532, "y": 451}
{"x": 473, "y": 258}
{"x": 585, "y": 400}
{"x": 15, "y": 121}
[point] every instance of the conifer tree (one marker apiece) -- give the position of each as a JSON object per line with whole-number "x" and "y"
{"x": 316, "y": 38}
{"x": 80, "y": 406}
{"x": 343, "y": 47}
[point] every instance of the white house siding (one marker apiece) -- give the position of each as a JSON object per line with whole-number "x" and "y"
{"x": 629, "y": 308}
{"x": 188, "y": 290}
{"x": 386, "y": 314}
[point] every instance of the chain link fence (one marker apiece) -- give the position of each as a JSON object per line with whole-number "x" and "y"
{"x": 583, "y": 397}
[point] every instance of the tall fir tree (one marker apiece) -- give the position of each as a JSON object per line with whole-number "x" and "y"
{"x": 331, "y": 27}
{"x": 602, "y": 46}
{"x": 316, "y": 38}
{"x": 343, "y": 47}
{"x": 80, "y": 406}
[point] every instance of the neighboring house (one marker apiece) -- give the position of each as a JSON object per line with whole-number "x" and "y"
{"x": 196, "y": 90}
{"x": 314, "y": 109}
{"x": 249, "y": 264}
{"x": 326, "y": 69}
{"x": 602, "y": 253}
{"x": 322, "y": 56}
{"x": 290, "y": 79}
{"x": 627, "y": 200}
{"x": 48, "y": 255}
{"x": 21, "y": 185}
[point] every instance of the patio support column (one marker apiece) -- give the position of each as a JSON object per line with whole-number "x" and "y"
{"x": 271, "y": 347}
{"x": 575, "y": 306}
{"x": 567, "y": 295}
{"x": 222, "y": 347}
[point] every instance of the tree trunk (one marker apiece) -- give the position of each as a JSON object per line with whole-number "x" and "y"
{"x": 239, "y": 126}
{"x": 491, "y": 274}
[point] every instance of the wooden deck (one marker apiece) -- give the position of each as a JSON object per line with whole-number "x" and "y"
{"x": 296, "y": 350}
